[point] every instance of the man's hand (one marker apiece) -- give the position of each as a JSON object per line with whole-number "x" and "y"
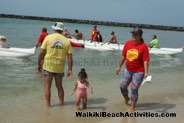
{"x": 39, "y": 68}
{"x": 69, "y": 75}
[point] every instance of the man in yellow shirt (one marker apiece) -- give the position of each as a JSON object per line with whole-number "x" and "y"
{"x": 54, "y": 50}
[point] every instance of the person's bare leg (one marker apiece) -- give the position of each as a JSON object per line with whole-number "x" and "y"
{"x": 126, "y": 99}
{"x": 47, "y": 91}
{"x": 132, "y": 107}
{"x": 124, "y": 92}
{"x": 77, "y": 102}
{"x": 84, "y": 101}
{"x": 59, "y": 86}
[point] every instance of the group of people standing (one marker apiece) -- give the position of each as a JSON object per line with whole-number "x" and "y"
{"x": 56, "y": 48}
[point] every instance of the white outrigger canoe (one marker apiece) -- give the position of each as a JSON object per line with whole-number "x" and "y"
{"x": 165, "y": 51}
{"x": 105, "y": 46}
{"x": 17, "y": 52}
{"x": 98, "y": 45}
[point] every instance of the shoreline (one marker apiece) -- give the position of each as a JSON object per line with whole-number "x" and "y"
{"x": 24, "y": 106}
{"x": 107, "y": 98}
{"x": 105, "y": 23}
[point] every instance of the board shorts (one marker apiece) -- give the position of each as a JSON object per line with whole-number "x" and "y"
{"x": 47, "y": 73}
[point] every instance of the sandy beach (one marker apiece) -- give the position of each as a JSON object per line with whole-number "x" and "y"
{"x": 32, "y": 109}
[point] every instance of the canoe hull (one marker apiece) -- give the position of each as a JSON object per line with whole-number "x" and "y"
{"x": 165, "y": 51}
{"x": 17, "y": 52}
{"x": 98, "y": 46}
{"x": 104, "y": 47}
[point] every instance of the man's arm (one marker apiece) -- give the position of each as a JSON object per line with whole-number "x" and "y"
{"x": 40, "y": 59}
{"x": 70, "y": 65}
{"x": 74, "y": 88}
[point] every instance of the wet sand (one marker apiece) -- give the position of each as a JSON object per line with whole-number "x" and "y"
{"x": 30, "y": 108}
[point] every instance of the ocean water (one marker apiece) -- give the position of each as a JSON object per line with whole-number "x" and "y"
{"x": 21, "y": 73}
{"x": 20, "y": 80}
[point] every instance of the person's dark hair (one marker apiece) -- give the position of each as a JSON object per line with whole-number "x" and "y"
{"x": 76, "y": 31}
{"x": 154, "y": 36}
{"x": 44, "y": 29}
{"x": 142, "y": 39}
{"x": 83, "y": 74}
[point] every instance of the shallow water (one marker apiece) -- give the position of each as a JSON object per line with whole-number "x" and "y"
{"x": 21, "y": 86}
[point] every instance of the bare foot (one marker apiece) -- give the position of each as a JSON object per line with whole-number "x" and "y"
{"x": 84, "y": 108}
{"x": 131, "y": 110}
{"x": 61, "y": 104}
{"x": 127, "y": 100}
{"x": 48, "y": 105}
{"x": 77, "y": 108}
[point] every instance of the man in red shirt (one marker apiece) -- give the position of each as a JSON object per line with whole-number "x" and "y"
{"x": 136, "y": 55}
{"x": 42, "y": 37}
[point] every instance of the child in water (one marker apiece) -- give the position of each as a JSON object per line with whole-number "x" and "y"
{"x": 80, "y": 87}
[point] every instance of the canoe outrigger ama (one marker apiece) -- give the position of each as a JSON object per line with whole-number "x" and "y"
{"x": 6, "y": 51}
{"x": 17, "y": 52}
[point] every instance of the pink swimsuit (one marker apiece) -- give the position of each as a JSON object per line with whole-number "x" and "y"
{"x": 81, "y": 89}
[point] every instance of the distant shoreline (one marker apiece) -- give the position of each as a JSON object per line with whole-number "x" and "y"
{"x": 106, "y": 23}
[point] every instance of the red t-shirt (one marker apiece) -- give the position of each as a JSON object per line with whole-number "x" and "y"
{"x": 42, "y": 37}
{"x": 135, "y": 55}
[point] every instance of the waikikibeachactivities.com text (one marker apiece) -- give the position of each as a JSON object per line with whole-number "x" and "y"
{"x": 123, "y": 114}
{"x": 88, "y": 62}
{"x": 103, "y": 63}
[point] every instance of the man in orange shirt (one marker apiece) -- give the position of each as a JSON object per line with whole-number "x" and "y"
{"x": 94, "y": 34}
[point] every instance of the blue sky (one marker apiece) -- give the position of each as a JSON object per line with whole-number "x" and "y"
{"x": 157, "y": 12}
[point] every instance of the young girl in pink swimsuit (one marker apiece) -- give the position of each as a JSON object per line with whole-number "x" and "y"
{"x": 80, "y": 87}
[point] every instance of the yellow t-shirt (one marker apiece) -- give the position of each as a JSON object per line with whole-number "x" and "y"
{"x": 57, "y": 47}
